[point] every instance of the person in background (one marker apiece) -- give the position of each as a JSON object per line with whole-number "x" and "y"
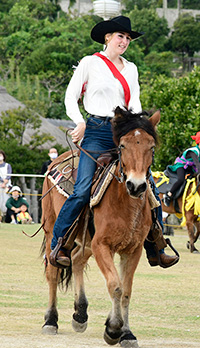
{"x": 53, "y": 153}
{"x": 24, "y": 217}
{"x": 14, "y": 204}
{"x": 5, "y": 182}
{"x": 188, "y": 163}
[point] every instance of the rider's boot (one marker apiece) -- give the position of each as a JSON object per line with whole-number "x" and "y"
{"x": 155, "y": 244}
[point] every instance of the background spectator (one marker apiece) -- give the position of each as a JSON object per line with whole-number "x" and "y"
{"x": 14, "y": 204}
{"x": 53, "y": 153}
{"x": 24, "y": 217}
{"x": 5, "y": 182}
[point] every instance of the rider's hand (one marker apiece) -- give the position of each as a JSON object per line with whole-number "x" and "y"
{"x": 78, "y": 132}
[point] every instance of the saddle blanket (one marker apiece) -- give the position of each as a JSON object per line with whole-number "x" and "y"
{"x": 62, "y": 177}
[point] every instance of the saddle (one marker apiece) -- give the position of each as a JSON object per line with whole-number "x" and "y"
{"x": 166, "y": 185}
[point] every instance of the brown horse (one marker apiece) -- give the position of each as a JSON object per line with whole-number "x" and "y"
{"x": 188, "y": 206}
{"x": 122, "y": 221}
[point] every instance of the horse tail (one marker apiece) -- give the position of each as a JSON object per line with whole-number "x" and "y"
{"x": 65, "y": 278}
{"x": 43, "y": 246}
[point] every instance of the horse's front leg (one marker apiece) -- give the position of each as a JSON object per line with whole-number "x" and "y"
{"x": 104, "y": 259}
{"x": 52, "y": 275}
{"x": 80, "y": 317}
{"x": 128, "y": 265}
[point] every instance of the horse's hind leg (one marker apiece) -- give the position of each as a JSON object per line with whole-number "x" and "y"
{"x": 192, "y": 235}
{"x": 51, "y": 317}
{"x": 79, "y": 260}
{"x": 52, "y": 275}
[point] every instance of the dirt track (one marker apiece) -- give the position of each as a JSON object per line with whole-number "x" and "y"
{"x": 163, "y": 314}
{"x": 74, "y": 340}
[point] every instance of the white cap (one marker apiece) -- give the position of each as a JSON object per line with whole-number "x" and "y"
{"x": 16, "y": 188}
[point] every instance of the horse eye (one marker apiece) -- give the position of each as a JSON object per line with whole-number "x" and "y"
{"x": 122, "y": 146}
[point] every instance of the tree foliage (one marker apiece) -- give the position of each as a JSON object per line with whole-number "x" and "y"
{"x": 178, "y": 100}
{"x": 155, "y": 29}
{"x": 40, "y": 45}
{"x": 185, "y": 37}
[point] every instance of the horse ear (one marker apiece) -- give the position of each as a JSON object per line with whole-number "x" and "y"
{"x": 155, "y": 118}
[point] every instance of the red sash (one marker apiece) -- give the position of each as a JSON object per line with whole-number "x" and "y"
{"x": 118, "y": 75}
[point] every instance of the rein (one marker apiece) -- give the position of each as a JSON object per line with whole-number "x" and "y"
{"x": 118, "y": 151}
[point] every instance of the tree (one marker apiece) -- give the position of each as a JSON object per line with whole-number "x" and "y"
{"x": 191, "y": 4}
{"x": 185, "y": 37}
{"x": 160, "y": 63}
{"x": 139, "y": 4}
{"x": 178, "y": 100}
{"x": 6, "y": 5}
{"x": 155, "y": 29}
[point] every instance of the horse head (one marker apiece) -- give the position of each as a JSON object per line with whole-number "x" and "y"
{"x": 136, "y": 138}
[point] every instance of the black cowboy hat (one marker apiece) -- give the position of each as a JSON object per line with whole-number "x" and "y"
{"x": 120, "y": 23}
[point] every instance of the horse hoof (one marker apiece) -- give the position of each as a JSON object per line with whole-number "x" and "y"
{"x": 195, "y": 251}
{"x": 49, "y": 330}
{"x": 129, "y": 344}
{"x": 79, "y": 327}
{"x": 128, "y": 340}
{"x": 111, "y": 340}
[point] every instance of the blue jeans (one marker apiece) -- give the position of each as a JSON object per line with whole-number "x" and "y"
{"x": 98, "y": 137}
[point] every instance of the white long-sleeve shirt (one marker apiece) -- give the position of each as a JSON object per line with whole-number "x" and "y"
{"x": 103, "y": 91}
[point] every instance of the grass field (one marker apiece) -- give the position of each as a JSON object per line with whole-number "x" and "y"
{"x": 164, "y": 311}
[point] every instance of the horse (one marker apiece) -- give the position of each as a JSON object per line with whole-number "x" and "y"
{"x": 187, "y": 205}
{"x": 122, "y": 220}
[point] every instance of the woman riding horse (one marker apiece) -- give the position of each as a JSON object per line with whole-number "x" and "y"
{"x": 108, "y": 81}
{"x": 189, "y": 162}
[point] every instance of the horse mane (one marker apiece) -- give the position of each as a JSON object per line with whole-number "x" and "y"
{"x": 125, "y": 121}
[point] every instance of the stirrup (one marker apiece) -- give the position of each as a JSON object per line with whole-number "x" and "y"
{"x": 54, "y": 253}
{"x": 174, "y": 250}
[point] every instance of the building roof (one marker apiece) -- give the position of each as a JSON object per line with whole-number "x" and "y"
{"x": 7, "y": 102}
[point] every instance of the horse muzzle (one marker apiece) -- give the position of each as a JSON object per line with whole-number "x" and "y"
{"x": 135, "y": 189}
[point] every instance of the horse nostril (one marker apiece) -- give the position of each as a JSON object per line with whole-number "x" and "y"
{"x": 142, "y": 187}
{"x": 130, "y": 186}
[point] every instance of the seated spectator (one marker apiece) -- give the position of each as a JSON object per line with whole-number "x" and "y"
{"x": 53, "y": 153}
{"x": 14, "y": 204}
{"x": 24, "y": 217}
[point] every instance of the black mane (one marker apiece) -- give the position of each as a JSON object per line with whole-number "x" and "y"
{"x": 125, "y": 121}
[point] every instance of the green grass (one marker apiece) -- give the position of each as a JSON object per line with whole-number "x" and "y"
{"x": 165, "y": 302}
